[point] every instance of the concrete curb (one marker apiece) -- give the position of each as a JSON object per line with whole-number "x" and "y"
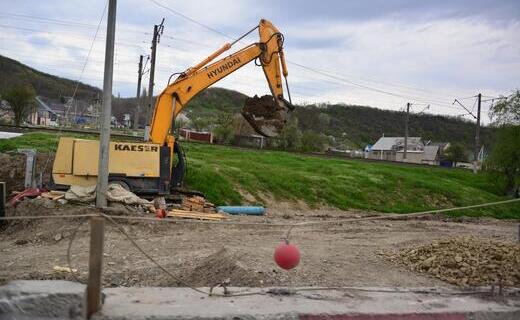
{"x": 64, "y": 300}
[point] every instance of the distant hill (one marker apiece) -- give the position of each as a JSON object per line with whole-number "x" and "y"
{"x": 360, "y": 125}
{"x": 15, "y": 73}
{"x": 351, "y": 125}
{"x": 206, "y": 104}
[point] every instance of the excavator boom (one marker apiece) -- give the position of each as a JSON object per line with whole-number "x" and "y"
{"x": 266, "y": 115}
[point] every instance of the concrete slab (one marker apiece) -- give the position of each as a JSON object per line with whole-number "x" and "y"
{"x": 63, "y": 300}
{"x": 42, "y": 299}
{"x": 371, "y": 303}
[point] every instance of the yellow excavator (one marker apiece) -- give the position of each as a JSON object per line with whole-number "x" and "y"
{"x": 157, "y": 166}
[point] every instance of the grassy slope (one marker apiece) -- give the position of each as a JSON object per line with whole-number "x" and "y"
{"x": 222, "y": 173}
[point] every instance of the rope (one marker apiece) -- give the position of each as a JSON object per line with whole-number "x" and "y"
{"x": 298, "y": 224}
{"x": 287, "y": 235}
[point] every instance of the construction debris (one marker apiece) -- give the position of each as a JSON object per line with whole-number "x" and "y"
{"x": 466, "y": 261}
{"x": 53, "y": 195}
{"x": 185, "y": 214}
{"x": 197, "y": 203}
{"x": 64, "y": 269}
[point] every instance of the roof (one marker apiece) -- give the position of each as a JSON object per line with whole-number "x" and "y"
{"x": 430, "y": 153}
{"x": 391, "y": 143}
{"x": 43, "y": 105}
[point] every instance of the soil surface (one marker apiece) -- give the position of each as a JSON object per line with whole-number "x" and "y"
{"x": 341, "y": 254}
{"x": 12, "y": 169}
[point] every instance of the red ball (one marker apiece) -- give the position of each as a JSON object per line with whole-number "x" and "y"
{"x": 287, "y": 256}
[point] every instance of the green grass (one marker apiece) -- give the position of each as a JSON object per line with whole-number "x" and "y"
{"x": 41, "y": 141}
{"x": 224, "y": 174}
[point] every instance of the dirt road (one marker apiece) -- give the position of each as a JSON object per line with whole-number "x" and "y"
{"x": 203, "y": 255}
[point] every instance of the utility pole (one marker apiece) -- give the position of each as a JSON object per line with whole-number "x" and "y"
{"x": 138, "y": 108}
{"x": 406, "y": 131}
{"x": 477, "y": 134}
{"x": 157, "y": 31}
{"x": 104, "y": 141}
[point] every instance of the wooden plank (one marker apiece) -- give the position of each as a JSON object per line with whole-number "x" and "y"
{"x": 177, "y": 213}
{"x": 95, "y": 264}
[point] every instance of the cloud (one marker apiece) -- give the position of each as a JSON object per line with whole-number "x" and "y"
{"x": 419, "y": 51}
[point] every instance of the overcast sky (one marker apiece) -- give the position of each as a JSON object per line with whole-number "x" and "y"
{"x": 381, "y": 53}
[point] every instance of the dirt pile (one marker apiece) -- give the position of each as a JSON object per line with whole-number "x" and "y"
{"x": 12, "y": 170}
{"x": 466, "y": 261}
{"x": 223, "y": 266}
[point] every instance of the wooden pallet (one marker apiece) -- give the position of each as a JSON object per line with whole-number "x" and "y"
{"x": 185, "y": 214}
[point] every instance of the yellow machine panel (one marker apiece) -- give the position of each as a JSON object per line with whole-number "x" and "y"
{"x": 63, "y": 159}
{"x": 131, "y": 159}
{"x": 77, "y": 160}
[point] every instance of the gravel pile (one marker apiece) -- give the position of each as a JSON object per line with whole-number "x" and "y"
{"x": 466, "y": 261}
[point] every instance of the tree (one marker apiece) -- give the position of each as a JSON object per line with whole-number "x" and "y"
{"x": 314, "y": 142}
{"x": 20, "y": 99}
{"x": 504, "y": 160}
{"x": 507, "y": 110}
{"x": 223, "y": 130}
{"x": 199, "y": 123}
{"x": 291, "y": 137}
{"x": 455, "y": 153}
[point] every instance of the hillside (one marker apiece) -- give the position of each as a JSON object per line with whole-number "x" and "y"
{"x": 206, "y": 104}
{"x": 352, "y": 126}
{"x": 233, "y": 176}
{"x": 359, "y": 125}
{"x": 15, "y": 73}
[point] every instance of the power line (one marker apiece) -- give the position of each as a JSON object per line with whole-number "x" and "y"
{"x": 60, "y": 22}
{"x": 190, "y": 19}
{"x": 69, "y": 34}
{"x": 341, "y": 79}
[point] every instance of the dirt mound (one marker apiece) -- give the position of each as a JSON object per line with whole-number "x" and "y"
{"x": 12, "y": 170}
{"x": 223, "y": 266}
{"x": 466, "y": 261}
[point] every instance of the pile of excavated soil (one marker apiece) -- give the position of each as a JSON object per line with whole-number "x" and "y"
{"x": 12, "y": 170}
{"x": 466, "y": 261}
{"x": 223, "y": 266}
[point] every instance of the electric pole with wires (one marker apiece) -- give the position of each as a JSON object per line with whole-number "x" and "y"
{"x": 407, "y": 119}
{"x": 138, "y": 107}
{"x": 157, "y": 32}
{"x": 477, "y": 134}
{"x": 477, "y": 127}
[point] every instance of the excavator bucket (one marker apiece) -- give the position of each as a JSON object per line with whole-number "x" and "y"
{"x": 266, "y": 115}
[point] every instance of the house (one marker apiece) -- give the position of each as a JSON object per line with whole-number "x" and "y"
{"x": 388, "y": 148}
{"x": 196, "y": 136}
{"x": 42, "y": 114}
{"x": 431, "y": 155}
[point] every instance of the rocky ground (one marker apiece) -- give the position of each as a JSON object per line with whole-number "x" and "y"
{"x": 468, "y": 261}
{"x": 363, "y": 253}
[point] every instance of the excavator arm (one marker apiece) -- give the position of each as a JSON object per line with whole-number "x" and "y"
{"x": 266, "y": 115}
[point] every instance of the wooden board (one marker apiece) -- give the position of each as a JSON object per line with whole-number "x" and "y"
{"x": 175, "y": 213}
{"x": 53, "y": 195}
